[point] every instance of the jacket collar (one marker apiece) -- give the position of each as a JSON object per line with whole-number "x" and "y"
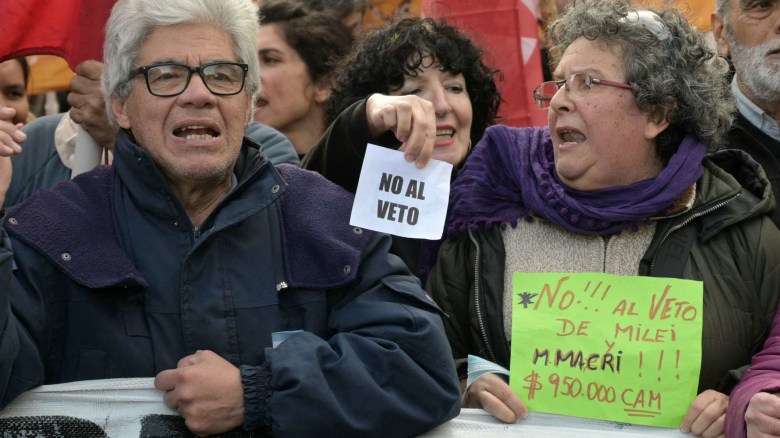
{"x": 75, "y": 225}
{"x": 737, "y": 186}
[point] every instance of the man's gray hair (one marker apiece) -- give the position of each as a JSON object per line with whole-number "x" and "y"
{"x": 131, "y": 21}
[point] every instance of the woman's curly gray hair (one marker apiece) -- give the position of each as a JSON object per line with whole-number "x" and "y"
{"x": 675, "y": 73}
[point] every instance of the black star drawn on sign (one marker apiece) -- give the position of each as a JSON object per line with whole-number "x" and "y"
{"x": 525, "y": 299}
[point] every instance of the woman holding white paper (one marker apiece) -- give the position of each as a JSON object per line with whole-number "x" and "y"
{"x": 619, "y": 183}
{"x": 418, "y": 85}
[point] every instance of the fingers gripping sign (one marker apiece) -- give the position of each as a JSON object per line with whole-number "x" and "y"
{"x": 412, "y": 120}
{"x": 707, "y": 415}
{"x": 493, "y": 394}
{"x": 206, "y": 391}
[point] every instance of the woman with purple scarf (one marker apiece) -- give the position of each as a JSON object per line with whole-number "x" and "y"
{"x": 619, "y": 182}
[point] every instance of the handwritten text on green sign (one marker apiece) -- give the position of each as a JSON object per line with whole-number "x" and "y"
{"x": 606, "y": 346}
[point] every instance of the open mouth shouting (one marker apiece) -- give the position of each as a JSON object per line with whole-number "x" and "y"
{"x": 196, "y": 132}
{"x": 569, "y": 136}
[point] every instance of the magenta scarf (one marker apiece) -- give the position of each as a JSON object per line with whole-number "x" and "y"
{"x": 511, "y": 173}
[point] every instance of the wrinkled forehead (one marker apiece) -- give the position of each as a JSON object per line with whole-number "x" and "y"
{"x": 596, "y": 57}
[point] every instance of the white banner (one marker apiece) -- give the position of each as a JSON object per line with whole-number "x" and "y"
{"x": 473, "y": 423}
{"x": 93, "y": 408}
{"x": 126, "y": 408}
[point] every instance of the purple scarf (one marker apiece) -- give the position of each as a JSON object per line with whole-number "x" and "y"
{"x": 511, "y": 173}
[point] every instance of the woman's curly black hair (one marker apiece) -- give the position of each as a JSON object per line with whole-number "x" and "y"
{"x": 382, "y": 59}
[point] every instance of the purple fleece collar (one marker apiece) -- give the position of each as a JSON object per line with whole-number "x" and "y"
{"x": 321, "y": 248}
{"x": 73, "y": 225}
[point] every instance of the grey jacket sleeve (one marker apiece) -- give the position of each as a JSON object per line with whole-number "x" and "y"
{"x": 39, "y": 165}
{"x": 276, "y": 146}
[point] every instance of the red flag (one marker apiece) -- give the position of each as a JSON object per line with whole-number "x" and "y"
{"x": 71, "y": 29}
{"x": 507, "y": 30}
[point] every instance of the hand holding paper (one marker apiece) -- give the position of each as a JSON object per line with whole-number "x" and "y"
{"x": 395, "y": 197}
{"x": 412, "y": 120}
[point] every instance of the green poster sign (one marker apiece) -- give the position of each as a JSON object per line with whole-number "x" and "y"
{"x": 605, "y": 346}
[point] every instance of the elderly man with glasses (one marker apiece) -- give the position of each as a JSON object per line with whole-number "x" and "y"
{"x": 240, "y": 287}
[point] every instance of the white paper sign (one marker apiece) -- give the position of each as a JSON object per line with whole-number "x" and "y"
{"x": 395, "y": 197}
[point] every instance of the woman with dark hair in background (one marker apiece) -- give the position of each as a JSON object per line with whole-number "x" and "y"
{"x": 298, "y": 50}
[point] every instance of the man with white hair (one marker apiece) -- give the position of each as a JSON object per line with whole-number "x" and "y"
{"x": 239, "y": 286}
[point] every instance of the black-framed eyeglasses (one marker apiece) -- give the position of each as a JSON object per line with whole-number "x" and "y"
{"x": 171, "y": 79}
{"x": 577, "y": 85}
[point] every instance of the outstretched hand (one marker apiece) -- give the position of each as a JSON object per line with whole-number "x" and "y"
{"x": 493, "y": 394}
{"x": 412, "y": 120}
{"x": 206, "y": 391}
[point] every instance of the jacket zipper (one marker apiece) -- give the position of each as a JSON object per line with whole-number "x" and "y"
{"x": 687, "y": 221}
{"x": 478, "y": 302}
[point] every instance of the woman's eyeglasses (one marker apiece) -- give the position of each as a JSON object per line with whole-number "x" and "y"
{"x": 577, "y": 85}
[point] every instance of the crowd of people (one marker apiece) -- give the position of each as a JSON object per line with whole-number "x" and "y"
{"x": 203, "y": 236}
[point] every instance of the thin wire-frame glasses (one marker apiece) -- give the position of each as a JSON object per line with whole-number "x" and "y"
{"x": 171, "y": 79}
{"x": 577, "y": 85}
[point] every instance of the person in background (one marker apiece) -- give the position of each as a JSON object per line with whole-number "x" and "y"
{"x": 749, "y": 34}
{"x": 298, "y": 49}
{"x": 618, "y": 182}
{"x": 416, "y": 69}
{"x": 189, "y": 255}
{"x": 14, "y": 111}
{"x": 14, "y": 78}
